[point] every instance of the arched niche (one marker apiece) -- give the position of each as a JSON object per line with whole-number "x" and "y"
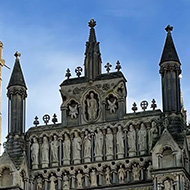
{"x": 168, "y": 159}
{"x": 91, "y": 106}
{"x": 6, "y": 179}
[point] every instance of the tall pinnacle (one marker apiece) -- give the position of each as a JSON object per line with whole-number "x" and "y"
{"x": 92, "y": 36}
{"x": 17, "y": 77}
{"x": 169, "y": 52}
{"x": 92, "y": 62}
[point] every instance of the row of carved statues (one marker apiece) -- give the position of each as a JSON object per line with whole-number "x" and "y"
{"x": 101, "y": 176}
{"x": 85, "y": 147}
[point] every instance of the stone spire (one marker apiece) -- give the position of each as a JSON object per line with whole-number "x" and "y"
{"x": 169, "y": 52}
{"x": 17, "y": 77}
{"x": 92, "y": 62}
{"x": 17, "y": 95}
{"x": 170, "y": 71}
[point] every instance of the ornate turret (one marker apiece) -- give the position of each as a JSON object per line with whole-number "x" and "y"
{"x": 170, "y": 71}
{"x": 17, "y": 94}
{"x": 92, "y": 60}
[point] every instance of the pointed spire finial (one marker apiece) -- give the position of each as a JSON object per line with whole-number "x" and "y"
{"x": 1, "y": 44}
{"x": 169, "y": 28}
{"x": 92, "y": 23}
{"x": 17, "y": 55}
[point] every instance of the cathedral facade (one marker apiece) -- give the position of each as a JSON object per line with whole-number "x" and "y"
{"x": 98, "y": 145}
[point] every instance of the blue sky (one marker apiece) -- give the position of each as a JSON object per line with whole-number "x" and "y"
{"x": 51, "y": 37}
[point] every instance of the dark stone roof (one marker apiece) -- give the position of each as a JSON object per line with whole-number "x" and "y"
{"x": 104, "y": 76}
{"x": 17, "y": 77}
{"x": 169, "y": 52}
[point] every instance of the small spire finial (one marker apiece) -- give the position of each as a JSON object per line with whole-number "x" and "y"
{"x": 169, "y": 28}
{"x": 92, "y": 23}
{"x": 17, "y": 55}
{"x": 1, "y": 44}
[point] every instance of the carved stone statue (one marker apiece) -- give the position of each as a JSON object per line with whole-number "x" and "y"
{"x": 120, "y": 143}
{"x": 93, "y": 178}
{"x": 45, "y": 152}
{"x": 39, "y": 185}
{"x": 109, "y": 144}
{"x": 142, "y": 139}
{"x": 66, "y": 185}
{"x": 35, "y": 153}
{"x": 108, "y": 177}
{"x": 98, "y": 145}
{"x": 152, "y": 133}
{"x": 121, "y": 173}
{"x": 132, "y": 141}
{"x": 87, "y": 147}
{"x": 73, "y": 111}
{"x": 66, "y": 150}
{"x": 54, "y": 151}
{"x": 149, "y": 176}
{"x": 136, "y": 172}
{"x": 168, "y": 185}
{"x": 52, "y": 182}
{"x": 79, "y": 180}
{"x": 92, "y": 107}
{"x": 112, "y": 106}
{"x": 76, "y": 148}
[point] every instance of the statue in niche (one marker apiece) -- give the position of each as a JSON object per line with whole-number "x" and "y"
{"x": 149, "y": 176}
{"x": 120, "y": 143}
{"x": 136, "y": 172}
{"x": 108, "y": 177}
{"x": 109, "y": 142}
{"x": 142, "y": 139}
{"x": 112, "y": 105}
{"x": 168, "y": 185}
{"x": 35, "y": 153}
{"x": 45, "y": 152}
{"x": 54, "y": 149}
{"x": 76, "y": 146}
{"x": 98, "y": 143}
{"x": 66, "y": 182}
{"x": 87, "y": 145}
{"x": 93, "y": 178}
{"x": 52, "y": 182}
{"x": 92, "y": 107}
{"x": 152, "y": 133}
{"x": 121, "y": 173}
{"x": 66, "y": 149}
{"x": 39, "y": 185}
{"x": 132, "y": 141}
{"x": 79, "y": 180}
{"x": 73, "y": 111}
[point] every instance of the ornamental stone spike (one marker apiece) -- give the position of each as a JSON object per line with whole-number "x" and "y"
{"x": 169, "y": 28}
{"x": 17, "y": 54}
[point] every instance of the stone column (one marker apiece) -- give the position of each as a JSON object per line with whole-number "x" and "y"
{"x": 64, "y": 115}
{"x": 125, "y": 142}
{"x": 40, "y": 152}
{"x": 114, "y": 143}
{"x": 80, "y": 114}
{"x": 103, "y": 110}
{"x": 60, "y": 139}
{"x": 104, "y": 144}
{"x": 92, "y": 144}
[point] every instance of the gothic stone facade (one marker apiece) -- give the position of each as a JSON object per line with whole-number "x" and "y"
{"x": 98, "y": 145}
